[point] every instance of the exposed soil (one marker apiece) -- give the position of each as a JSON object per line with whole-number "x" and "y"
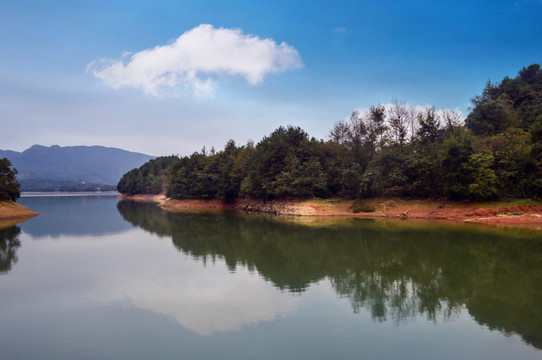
{"x": 179, "y": 205}
{"x": 144, "y": 198}
{"x": 11, "y": 210}
{"x": 487, "y": 213}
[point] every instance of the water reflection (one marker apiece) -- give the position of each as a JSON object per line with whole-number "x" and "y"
{"x": 206, "y": 302}
{"x": 73, "y": 215}
{"x": 398, "y": 273}
{"x": 9, "y": 243}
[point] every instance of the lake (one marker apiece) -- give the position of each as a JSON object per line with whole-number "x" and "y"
{"x": 96, "y": 278}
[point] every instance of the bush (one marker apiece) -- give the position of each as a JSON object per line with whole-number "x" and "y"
{"x": 359, "y": 206}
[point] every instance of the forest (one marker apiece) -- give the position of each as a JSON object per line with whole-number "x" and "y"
{"x": 394, "y": 150}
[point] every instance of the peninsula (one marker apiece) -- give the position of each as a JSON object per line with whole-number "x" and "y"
{"x": 428, "y": 163}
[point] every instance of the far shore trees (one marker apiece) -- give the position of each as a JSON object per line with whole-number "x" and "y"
{"x": 395, "y": 150}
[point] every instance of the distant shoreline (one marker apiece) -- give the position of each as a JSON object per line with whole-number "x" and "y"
{"x": 68, "y": 193}
{"x": 504, "y": 214}
{"x": 11, "y": 212}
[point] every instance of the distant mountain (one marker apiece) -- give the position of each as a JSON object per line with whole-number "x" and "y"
{"x": 60, "y": 166}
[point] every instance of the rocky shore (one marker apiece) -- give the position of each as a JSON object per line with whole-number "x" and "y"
{"x": 487, "y": 213}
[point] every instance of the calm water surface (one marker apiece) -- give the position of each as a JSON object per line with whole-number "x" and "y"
{"x": 95, "y": 278}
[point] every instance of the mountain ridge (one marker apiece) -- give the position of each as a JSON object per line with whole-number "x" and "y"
{"x": 94, "y": 164}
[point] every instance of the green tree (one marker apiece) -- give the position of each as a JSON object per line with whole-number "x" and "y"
{"x": 423, "y": 164}
{"x": 511, "y": 150}
{"x": 536, "y": 156}
{"x": 9, "y": 187}
{"x": 514, "y": 102}
{"x": 485, "y": 182}
{"x": 269, "y": 174}
{"x": 429, "y": 129}
{"x": 457, "y": 150}
{"x": 153, "y": 184}
{"x": 352, "y": 182}
{"x": 148, "y": 178}
{"x": 386, "y": 174}
{"x": 489, "y": 117}
{"x": 377, "y": 126}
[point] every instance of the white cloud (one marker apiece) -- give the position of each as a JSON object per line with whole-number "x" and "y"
{"x": 205, "y": 299}
{"x": 195, "y": 60}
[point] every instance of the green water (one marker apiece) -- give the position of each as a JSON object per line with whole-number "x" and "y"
{"x": 95, "y": 278}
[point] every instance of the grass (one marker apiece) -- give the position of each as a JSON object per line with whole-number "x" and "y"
{"x": 12, "y": 210}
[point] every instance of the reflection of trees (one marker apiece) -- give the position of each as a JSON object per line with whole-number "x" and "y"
{"x": 397, "y": 272}
{"x": 9, "y": 242}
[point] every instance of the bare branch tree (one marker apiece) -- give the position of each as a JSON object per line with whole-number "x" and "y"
{"x": 399, "y": 115}
{"x": 451, "y": 118}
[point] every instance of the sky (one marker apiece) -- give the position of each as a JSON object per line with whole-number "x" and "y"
{"x": 169, "y": 77}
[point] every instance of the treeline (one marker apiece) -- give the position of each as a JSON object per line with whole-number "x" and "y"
{"x": 49, "y": 185}
{"x": 392, "y": 150}
{"x": 148, "y": 178}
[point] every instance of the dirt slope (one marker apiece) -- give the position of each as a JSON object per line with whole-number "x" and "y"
{"x": 11, "y": 210}
{"x": 488, "y": 213}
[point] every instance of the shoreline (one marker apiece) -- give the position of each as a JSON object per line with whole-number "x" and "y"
{"x": 67, "y": 193}
{"x": 501, "y": 213}
{"x": 10, "y": 210}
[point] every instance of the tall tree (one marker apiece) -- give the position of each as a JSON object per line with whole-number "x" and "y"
{"x": 400, "y": 120}
{"x": 489, "y": 117}
{"x": 377, "y": 125}
{"x": 429, "y": 129}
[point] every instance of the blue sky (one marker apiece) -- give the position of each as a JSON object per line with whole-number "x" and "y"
{"x": 56, "y": 87}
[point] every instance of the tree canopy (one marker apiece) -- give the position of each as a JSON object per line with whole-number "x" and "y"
{"x": 9, "y": 187}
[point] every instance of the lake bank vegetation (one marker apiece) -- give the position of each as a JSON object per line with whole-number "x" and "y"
{"x": 9, "y": 187}
{"x": 394, "y": 150}
{"x": 9, "y": 192}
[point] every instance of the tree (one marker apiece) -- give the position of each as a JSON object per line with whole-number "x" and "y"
{"x": 351, "y": 181}
{"x": 340, "y": 132}
{"x": 275, "y": 157}
{"x": 385, "y": 175}
{"x": 488, "y": 117}
{"x": 399, "y": 118}
{"x": 457, "y": 150}
{"x": 511, "y": 150}
{"x": 451, "y": 118}
{"x": 485, "y": 182}
{"x": 9, "y": 187}
{"x": 147, "y": 179}
{"x": 514, "y": 102}
{"x": 429, "y": 129}
{"x": 377, "y": 125}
